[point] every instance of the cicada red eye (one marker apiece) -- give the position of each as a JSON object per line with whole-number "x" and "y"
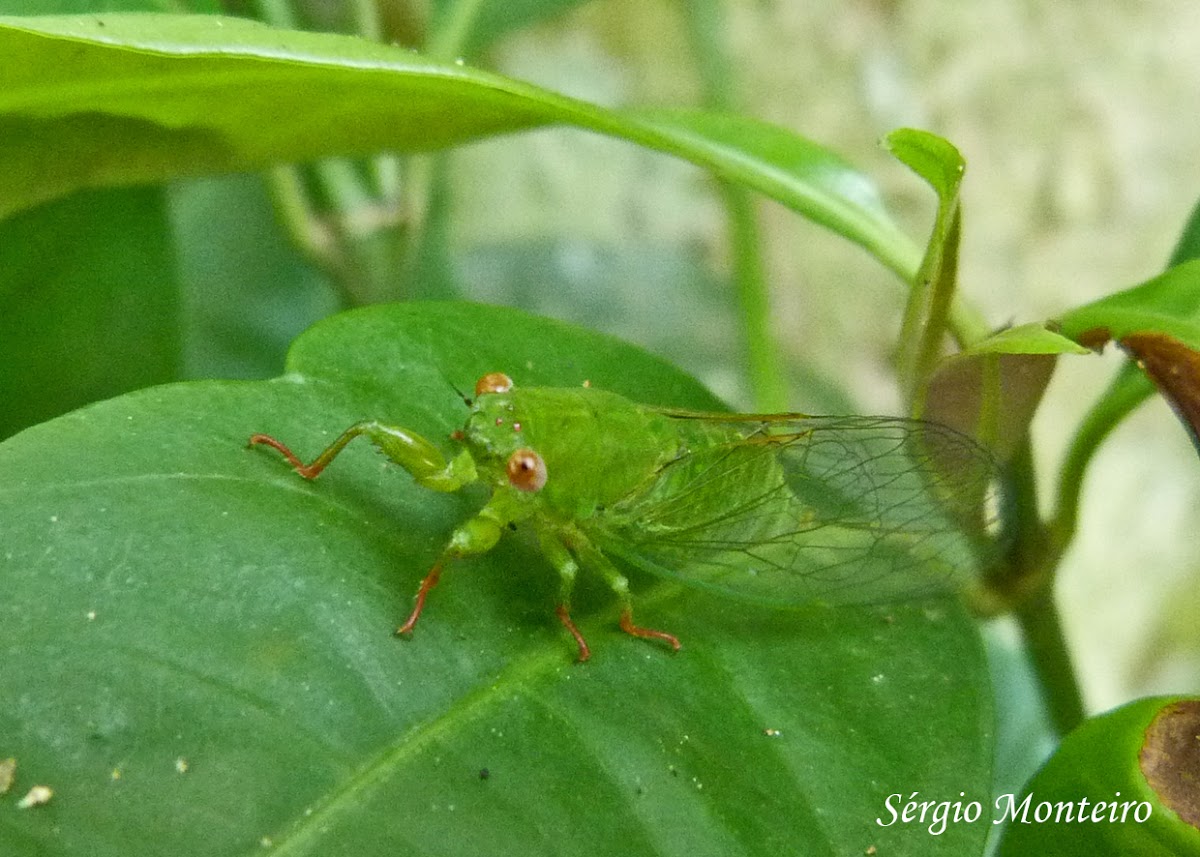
{"x": 493, "y": 382}
{"x": 526, "y": 470}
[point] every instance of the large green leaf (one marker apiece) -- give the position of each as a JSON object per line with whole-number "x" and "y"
{"x": 247, "y": 293}
{"x": 90, "y": 303}
{"x": 1124, "y": 782}
{"x": 1161, "y": 296}
{"x": 1168, "y": 303}
{"x": 197, "y": 651}
{"x": 113, "y": 99}
{"x": 1158, "y": 323}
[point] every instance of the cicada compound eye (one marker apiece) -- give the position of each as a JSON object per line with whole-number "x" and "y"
{"x": 526, "y": 470}
{"x": 493, "y": 382}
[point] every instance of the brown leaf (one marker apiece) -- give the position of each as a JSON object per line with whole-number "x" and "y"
{"x": 956, "y": 390}
{"x": 1170, "y": 759}
{"x": 1174, "y": 367}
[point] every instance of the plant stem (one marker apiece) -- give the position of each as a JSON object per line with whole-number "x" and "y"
{"x": 1127, "y": 391}
{"x": 768, "y": 386}
{"x": 454, "y": 29}
{"x": 343, "y": 213}
{"x": 293, "y": 207}
{"x": 928, "y": 311}
{"x": 366, "y": 19}
{"x": 277, "y": 13}
{"x": 1038, "y": 618}
{"x": 384, "y": 168}
{"x": 1028, "y": 578}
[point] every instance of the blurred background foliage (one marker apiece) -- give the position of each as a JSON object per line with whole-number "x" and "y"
{"x": 1081, "y": 172}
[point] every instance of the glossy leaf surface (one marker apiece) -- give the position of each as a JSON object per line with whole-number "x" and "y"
{"x": 198, "y": 654}
{"x": 115, "y": 99}
{"x": 91, "y": 303}
{"x": 1135, "y": 767}
{"x": 1158, "y": 324}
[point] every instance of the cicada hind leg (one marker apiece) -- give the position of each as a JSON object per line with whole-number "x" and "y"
{"x": 566, "y": 552}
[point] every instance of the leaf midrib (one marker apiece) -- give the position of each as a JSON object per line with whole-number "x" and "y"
{"x": 304, "y": 837}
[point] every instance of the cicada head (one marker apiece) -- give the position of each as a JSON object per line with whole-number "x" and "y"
{"x": 496, "y": 436}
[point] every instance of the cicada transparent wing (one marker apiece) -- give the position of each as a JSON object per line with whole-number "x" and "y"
{"x": 794, "y": 509}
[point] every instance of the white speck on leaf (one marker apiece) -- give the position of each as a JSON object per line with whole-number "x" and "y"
{"x": 38, "y": 796}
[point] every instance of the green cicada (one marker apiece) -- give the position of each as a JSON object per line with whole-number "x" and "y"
{"x": 781, "y": 509}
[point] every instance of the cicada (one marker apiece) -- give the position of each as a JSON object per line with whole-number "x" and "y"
{"x": 781, "y": 509}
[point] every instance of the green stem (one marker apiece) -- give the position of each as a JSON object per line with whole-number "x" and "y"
{"x": 1125, "y": 394}
{"x": 278, "y": 13}
{"x": 342, "y": 213}
{"x": 384, "y": 167}
{"x": 1051, "y": 661}
{"x": 1028, "y": 581}
{"x": 448, "y": 41}
{"x": 767, "y": 384}
{"x": 926, "y": 317}
{"x": 705, "y": 25}
{"x": 301, "y": 224}
{"x": 422, "y": 174}
{"x": 366, "y": 19}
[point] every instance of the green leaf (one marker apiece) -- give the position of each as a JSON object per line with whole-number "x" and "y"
{"x": 1033, "y": 338}
{"x": 1130, "y": 387}
{"x": 1187, "y": 247}
{"x": 90, "y": 300}
{"x": 1171, "y": 299}
{"x": 933, "y": 158}
{"x": 798, "y": 172}
{"x": 174, "y": 601}
{"x": 118, "y": 99}
{"x": 992, "y": 389}
{"x": 67, "y": 7}
{"x": 927, "y": 314}
{"x": 1142, "y": 757}
{"x": 1168, "y": 303}
{"x": 247, "y": 292}
{"x": 1158, "y": 324}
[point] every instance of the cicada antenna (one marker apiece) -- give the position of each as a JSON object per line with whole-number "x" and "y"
{"x": 466, "y": 400}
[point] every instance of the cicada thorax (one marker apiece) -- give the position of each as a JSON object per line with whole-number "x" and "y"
{"x": 579, "y": 449}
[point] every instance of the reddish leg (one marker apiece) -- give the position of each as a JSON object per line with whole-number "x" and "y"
{"x": 564, "y": 616}
{"x": 412, "y": 452}
{"x": 430, "y": 581}
{"x": 646, "y": 633}
{"x": 308, "y": 471}
{"x": 592, "y": 557}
